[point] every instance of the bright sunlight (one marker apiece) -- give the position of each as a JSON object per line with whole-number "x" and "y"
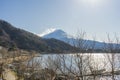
{"x": 91, "y": 2}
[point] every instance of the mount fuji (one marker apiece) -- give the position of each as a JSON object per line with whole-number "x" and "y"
{"x": 56, "y": 34}
{"x": 63, "y": 36}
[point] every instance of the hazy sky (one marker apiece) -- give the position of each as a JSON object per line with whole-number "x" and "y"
{"x": 96, "y": 17}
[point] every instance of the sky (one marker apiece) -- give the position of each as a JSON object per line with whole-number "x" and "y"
{"x": 95, "y": 17}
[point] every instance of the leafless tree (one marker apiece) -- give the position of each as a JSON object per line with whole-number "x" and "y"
{"x": 111, "y": 55}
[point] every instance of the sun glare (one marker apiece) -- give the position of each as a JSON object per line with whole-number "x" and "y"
{"x": 90, "y": 2}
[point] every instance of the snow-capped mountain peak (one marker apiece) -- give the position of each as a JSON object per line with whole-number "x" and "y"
{"x": 54, "y": 33}
{"x": 63, "y": 36}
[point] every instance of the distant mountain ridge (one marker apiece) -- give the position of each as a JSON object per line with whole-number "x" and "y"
{"x": 63, "y": 36}
{"x": 11, "y": 36}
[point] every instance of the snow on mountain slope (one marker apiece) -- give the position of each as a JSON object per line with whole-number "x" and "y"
{"x": 63, "y": 36}
{"x": 55, "y": 33}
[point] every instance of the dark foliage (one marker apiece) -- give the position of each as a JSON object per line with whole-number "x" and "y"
{"x": 11, "y": 36}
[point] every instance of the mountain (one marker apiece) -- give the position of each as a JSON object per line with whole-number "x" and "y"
{"x": 55, "y": 33}
{"x": 11, "y": 36}
{"x": 63, "y": 36}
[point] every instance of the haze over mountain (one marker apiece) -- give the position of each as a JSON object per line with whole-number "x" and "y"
{"x": 63, "y": 36}
{"x": 15, "y": 37}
